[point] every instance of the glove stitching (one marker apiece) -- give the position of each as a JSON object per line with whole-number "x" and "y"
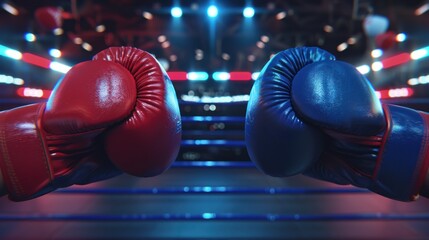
{"x": 11, "y": 174}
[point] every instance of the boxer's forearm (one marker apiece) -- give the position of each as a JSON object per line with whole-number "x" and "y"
{"x": 425, "y": 189}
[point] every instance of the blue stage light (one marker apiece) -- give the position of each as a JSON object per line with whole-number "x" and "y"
{"x": 248, "y": 12}
{"x": 176, "y": 12}
{"x": 212, "y": 11}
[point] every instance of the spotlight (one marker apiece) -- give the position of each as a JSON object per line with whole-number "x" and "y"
{"x": 260, "y": 44}
{"x": 352, "y": 40}
{"x": 225, "y": 56}
{"x": 248, "y": 12}
{"x": 401, "y": 37}
{"x": 173, "y": 58}
{"x": 77, "y": 40}
{"x": 162, "y": 38}
{"x": 265, "y": 38}
{"x": 251, "y": 58}
{"x": 58, "y": 31}
{"x": 87, "y": 46}
{"x": 165, "y": 44}
{"x": 342, "y": 46}
{"x": 281, "y": 15}
{"x": 212, "y": 11}
{"x": 100, "y": 28}
{"x": 422, "y": 9}
{"x": 55, "y": 53}
{"x": 376, "y": 53}
{"x": 10, "y": 9}
{"x": 176, "y": 12}
{"x": 30, "y": 37}
{"x": 147, "y": 15}
{"x": 363, "y": 69}
{"x": 328, "y": 28}
{"x": 376, "y": 66}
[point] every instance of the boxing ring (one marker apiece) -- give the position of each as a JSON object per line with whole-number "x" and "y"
{"x": 209, "y": 199}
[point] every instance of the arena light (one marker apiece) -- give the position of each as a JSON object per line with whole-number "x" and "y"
{"x": 422, "y": 9}
{"x": 401, "y": 37}
{"x": 221, "y": 76}
{"x": 10, "y": 9}
{"x": 162, "y": 38}
{"x": 100, "y": 28}
{"x": 59, "y": 67}
{"x": 212, "y": 11}
{"x": 77, "y": 40}
{"x": 248, "y": 12}
{"x": 36, "y": 60}
{"x": 33, "y": 92}
{"x": 147, "y": 15}
{"x": 328, "y": 28}
{"x": 197, "y": 76}
{"x": 363, "y": 69}
{"x": 420, "y": 53}
{"x": 281, "y": 15}
{"x": 255, "y": 75}
{"x": 87, "y": 46}
{"x": 56, "y": 53}
{"x": 265, "y": 38}
{"x": 30, "y": 37}
{"x": 376, "y": 66}
{"x": 178, "y": 76}
{"x": 6, "y": 79}
{"x": 395, "y": 93}
{"x": 419, "y": 80}
{"x": 218, "y": 99}
{"x": 376, "y": 53}
{"x": 240, "y": 76}
{"x": 10, "y": 53}
{"x": 208, "y": 215}
{"x": 342, "y": 46}
{"x": 396, "y": 60}
{"x": 176, "y": 12}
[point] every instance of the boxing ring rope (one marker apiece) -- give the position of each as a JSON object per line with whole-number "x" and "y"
{"x": 210, "y": 190}
{"x": 216, "y": 217}
{"x": 216, "y": 142}
{"x": 214, "y": 164}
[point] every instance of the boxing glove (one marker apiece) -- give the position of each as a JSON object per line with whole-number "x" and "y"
{"x": 364, "y": 143}
{"x": 148, "y": 141}
{"x": 277, "y": 140}
{"x": 63, "y": 142}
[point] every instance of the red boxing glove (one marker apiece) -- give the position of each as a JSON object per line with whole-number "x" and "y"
{"x": 60, "y": 143}
{"x": 148, "y": 141}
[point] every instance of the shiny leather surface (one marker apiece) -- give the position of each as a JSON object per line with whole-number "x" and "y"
{"x": 278, "y": 140}
{"x": 148, "y": 141}
{"x": 334, "y": 95}
{"x": 92, "y": 95}
{"x": 23, "y": 159}
{"x": 325, "y": 121}
{"x": 58, "y": 144}
{"x": 404, "y": 157}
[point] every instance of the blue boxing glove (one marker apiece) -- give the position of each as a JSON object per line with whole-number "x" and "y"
{"x": 311, "y": 114}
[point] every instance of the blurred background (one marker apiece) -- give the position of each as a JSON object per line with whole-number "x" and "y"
{"x": 213, "y": 51}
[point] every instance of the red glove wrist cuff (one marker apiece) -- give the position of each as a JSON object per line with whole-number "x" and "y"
{"x": 23, "y": 160}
